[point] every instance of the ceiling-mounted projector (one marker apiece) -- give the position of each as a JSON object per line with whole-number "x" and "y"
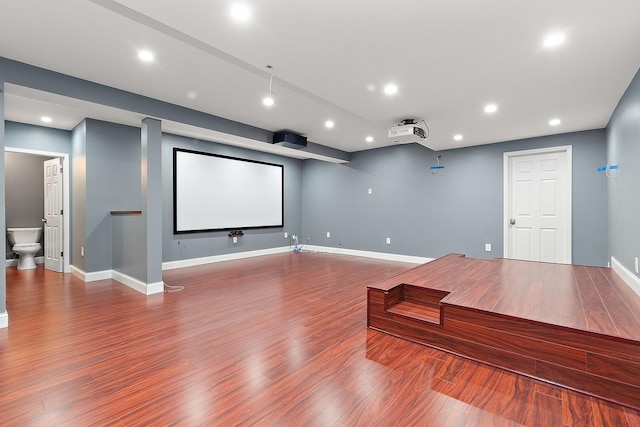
{"x": 290, "y": 140}
{"x": 407, "y": 131}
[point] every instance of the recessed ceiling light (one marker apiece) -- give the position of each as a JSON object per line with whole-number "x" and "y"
{"x": 391, "y": 89}
{"x": 268, "y": 101}
{"x": 554, "y": 40}
{"x": 490, "y": 108}
{"x": 369, "y": 139}
{"x": 554, "y": 122}
{"x": 329, "y": 124}
{"x": 145, "y": 55}
{"x": 46, "y": 119}
{"x": 457, "y": 137}
{"x": 240, "y": 12}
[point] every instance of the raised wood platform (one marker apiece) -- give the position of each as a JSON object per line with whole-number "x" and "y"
{"x": 574, "y": 326}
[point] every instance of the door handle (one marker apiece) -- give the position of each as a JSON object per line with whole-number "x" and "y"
{"x": 512, "y": 221}
{"x": 44, "y": 220}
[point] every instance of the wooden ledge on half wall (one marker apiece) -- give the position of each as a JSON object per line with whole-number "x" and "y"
{"x": 571, "y": 325}
{"x": 126, "y": 212}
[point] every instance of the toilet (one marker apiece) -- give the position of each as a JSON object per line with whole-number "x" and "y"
{"x": 26, "y": 244}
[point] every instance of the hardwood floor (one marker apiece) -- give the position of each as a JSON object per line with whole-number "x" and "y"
{"x": 277, "y": 340}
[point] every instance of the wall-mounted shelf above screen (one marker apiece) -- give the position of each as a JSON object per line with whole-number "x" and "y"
{"x": 212, "y": 192}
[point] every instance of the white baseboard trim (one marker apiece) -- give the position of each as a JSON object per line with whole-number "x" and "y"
{"x": 368, "y": 254}
{"x": 155, "y": 288}
{"x": 630, "y": 279}
{"x": 94, "y": 276}
{"x": 90, "y": 277}
{"x": 170, "y": 265}
{"x": 77, "y": 272}
{"x": 4, "y": 320}
{"x": 138, "y": 285}
{"x": 14, "y": 262}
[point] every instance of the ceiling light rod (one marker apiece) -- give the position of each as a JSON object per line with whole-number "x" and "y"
{"x": 268, "y": 100}
{"x": 271, "y": 80}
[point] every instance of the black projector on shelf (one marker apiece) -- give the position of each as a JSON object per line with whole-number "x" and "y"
{"x": 289, "y": 140}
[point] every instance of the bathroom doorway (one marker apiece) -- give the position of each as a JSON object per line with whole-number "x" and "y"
{"x": 61, "y": 203}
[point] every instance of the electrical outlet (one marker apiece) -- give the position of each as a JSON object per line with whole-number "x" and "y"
{"x": 370, "y": 191}
{"x": 487, "y": 247}
{"x": 328, "y": 234}
{"x": 286, "y": 234}
{"x": 388, "y": 240}
{"x": 82, "y": 251}
{"x": 235, "y": 239}
{"x": 636, "y": 266}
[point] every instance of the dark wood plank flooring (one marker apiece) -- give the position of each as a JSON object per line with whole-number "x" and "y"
{"x": 277, "y": 340}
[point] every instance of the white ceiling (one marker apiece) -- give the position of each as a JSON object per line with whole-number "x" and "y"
{"x": 331, "y": 59}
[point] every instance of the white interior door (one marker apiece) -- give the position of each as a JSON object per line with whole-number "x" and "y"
{"x": 538, "y": 205}
{"x": 53, "y": 216}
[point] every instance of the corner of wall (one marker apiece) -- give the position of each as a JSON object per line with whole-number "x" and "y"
{"x": 629, "y": 278}
{"x": 138, "y": 285}
{"x": 133, "y": 283}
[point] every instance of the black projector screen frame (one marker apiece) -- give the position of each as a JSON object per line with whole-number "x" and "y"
{"x": 212, "y": 192}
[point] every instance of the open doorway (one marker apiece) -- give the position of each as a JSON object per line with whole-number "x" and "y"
{"x": 32, "y": 212}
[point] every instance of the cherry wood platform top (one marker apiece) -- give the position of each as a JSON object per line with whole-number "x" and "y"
{"x": 590, "y": 299}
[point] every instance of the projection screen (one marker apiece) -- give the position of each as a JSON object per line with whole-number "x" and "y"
{"x": 212, "y": 192}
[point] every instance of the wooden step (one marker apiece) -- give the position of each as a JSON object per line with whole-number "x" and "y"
{"x": 416, "y": 302}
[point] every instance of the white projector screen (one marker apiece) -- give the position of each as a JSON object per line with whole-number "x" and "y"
{"x": 213, "y": 192}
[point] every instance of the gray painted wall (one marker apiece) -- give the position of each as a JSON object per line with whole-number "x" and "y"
{"x": 216, "y": 243}
{"x": 38, "y": 138}
{"x": 112, "y": 183}
{"x": 623, "y": 148}
{"x": 128, "y": 238}
{"x": 106, "y": 176}
{"x": 24, "y": 192}
{"x": 78, "y": 194}
{"x": 458, "y": 209}
{"x": 137, "y": 247}
{"x": 151, "y": 198}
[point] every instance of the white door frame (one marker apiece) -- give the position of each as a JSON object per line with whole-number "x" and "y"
{"x": 65, "y": 196}
{"x": 506, "y": 191}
